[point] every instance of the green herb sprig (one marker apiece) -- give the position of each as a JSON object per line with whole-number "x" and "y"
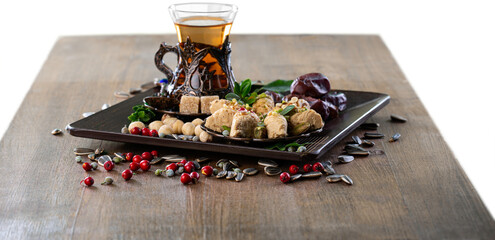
{"x": 242, "y": 93}
{"x": 141, "y": 113}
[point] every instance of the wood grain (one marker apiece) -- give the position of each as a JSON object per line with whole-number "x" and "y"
{"x": 416, "y": 190}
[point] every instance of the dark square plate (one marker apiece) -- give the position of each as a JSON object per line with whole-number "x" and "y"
{"x": 107, "y": 124}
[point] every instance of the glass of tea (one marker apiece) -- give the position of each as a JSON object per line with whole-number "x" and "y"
{"x": 203, "y": 50}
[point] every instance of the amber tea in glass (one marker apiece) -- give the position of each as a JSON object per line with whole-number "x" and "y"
{"x": 204, "y": 49}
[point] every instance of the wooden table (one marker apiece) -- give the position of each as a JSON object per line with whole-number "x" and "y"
{"x": 417, "y": 190}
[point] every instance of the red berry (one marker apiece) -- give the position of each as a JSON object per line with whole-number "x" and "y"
{"x": 242, "y": 109}
{"x": 129, "y": 156}
{"x": 190, "y": 164}
{"x": 172, "y": 166}
{"x": 146, "y": 156}
{"x": 284, "y": 177}
{"x": 185, "y": 178}
{"x": 87, "y": 166}
{"x": 137, "y": 159}
{"x": 108, "y": 165}
{"x": 195, "y": 175}
{"x": 207, "y": 171}
{"x": 183, "y": 162}
{"x": 136, "y": 131}
{"x": 145, "y": 165}
{"x": 134, "y": 166}
{"x": 154, "y": 153}
{"x": 293, "y": 169}
{"x": 127, "y": 174}
{"x": 154, "y": 133}
{"x": 307, "y": 167}
{"x": 317, "y": 167}
{"x": 145, "y": 132}
{"x": 188, "y": 168}
{"x": 88, "y": 181}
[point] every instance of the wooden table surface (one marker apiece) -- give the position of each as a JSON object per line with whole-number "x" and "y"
{"x": 416, "y": 190}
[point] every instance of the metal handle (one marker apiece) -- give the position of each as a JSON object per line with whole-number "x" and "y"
{"x": 164, "y": 49}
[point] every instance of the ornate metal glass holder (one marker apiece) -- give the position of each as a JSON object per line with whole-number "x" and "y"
{"x": 193, "y": 75}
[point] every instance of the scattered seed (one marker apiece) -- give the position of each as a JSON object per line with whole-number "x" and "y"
{"x": 328, "y": 169}
{"x": 107, "y": 181}
{"x": 56, "y": 131}
{"x": 370, "y": 126}
{"x": 120, "y": 155}
{"x": 92, "y": 156}
{"x": 79, "y": 159}
{"x": 397, "y": 118}
{"x": 295, "y": 177}
{"x": 169, "y": 173}
{"x": 234, "y": 163}
{"x": 195, "y": 139}
{"x": 311, "y": 175}
{"x": 99, "y": 151}
{"x": 175, "y": 136}
{"x": 345, "y": 158}
{"x": 267, "y": 163}
{"x": 121, "y": 94}
{"x": 83, "y": 151}
{"x": 156, "y": 160}
{"x": 227, "y": 166}
{"x": 105, "y": 106}
{"x": 239, "y": 177}
{"x": 94, "y": 165}
{"x": 215, "y": 171}
{"x": 231, "y": 175}
{"x": 197, "y": 166}
{"x": 368, "y": 143}
{"x": 357, "y": 140}
{"x": 353, "y": 147}
{"x": 358, "y": 153}
{"x": 173, "y": 158}
{"x": 87, "y": 114}
{"x": 334, "y": 178}
{"x": 179, "y": 170}
{"x": 124, "y": 130}
{"x": 117, "y": 159}
{"x": 250, "y": 171}
{"x": 373, "y": 135}
{"x": 237, "y": 170}
{"x": 134, "y": 90}
{"x": 221, "y": 162}
{"x": 395, "y": 137}
{"x": 103, "y": 159}
{"x": 272, "y": 171}
{"x": 221, "y": 174}
{"x": 347, "y": 179}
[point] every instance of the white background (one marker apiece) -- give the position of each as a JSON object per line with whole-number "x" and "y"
{"x": 445, "y": 48}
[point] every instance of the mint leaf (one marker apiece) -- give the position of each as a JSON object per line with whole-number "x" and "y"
{"x": 279, "y": 86}
{"x": 287, "y": 110}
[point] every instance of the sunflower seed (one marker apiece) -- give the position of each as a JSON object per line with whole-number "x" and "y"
{"x": 179, "y": 171}
{"x": 92, "y": 156}
{"x": 195, "y": 139}
{"x": 329, "y": 163}
{"x": 295, "y": 177}
{"x": 79, "y": 159}
{"x": 347, "y": 179}
{"x": 221, "y": 162}
{"x": 56, "y": 131}
{"x": 267, "y": 163}
{"x": 103, "y": 159}
{"x": 234, "y": 163}
{"x": 357, "y": 140}
{"x": 221, "y": 174}
{"x": 196, "y": 165}
{"x": 147, "y": 85}
{"x": 237, "y": 170}
{"x": 395, "y": 137}
{"x": 202, "y": 159}
{"x": 311, "y": 175}
{"x": 105, "y": 106}
{"x": 397, "y": 118}
{"x": 368, "y": 143}
{"x": 231, "y": 175}
{"x": 176, "y": 137}
{"x": 345, "y": 158}
{"x": 272, "y": 171}
{"x": 83, "y": 151}
{"x": 250, "y": 171}
{"x": 156, "y": 160}
{"x": 134, "y": 90}
{"x": 370, "y": 126}
{"x": 99, "y": 151}
{"x": 215, "y": 171}
{"x": 373, "y": 135}
{"x": 169, "y": 173}
{"x": 227, "y": 166}
{"x": 334, "y": 178}
{"x": 358, "y": 153}
{"x": 119, "y": 154}
{"x": 87, "y": 114}
{"x": 353, "y": 147}
{"x": 94, "y": 165}
{"x": 239, "y": 177}
{"x": 124, "y": 130}
{"x": 328, "y": 169}
{"x": 121, "y": 94}
{"x": 173, "y": 158}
